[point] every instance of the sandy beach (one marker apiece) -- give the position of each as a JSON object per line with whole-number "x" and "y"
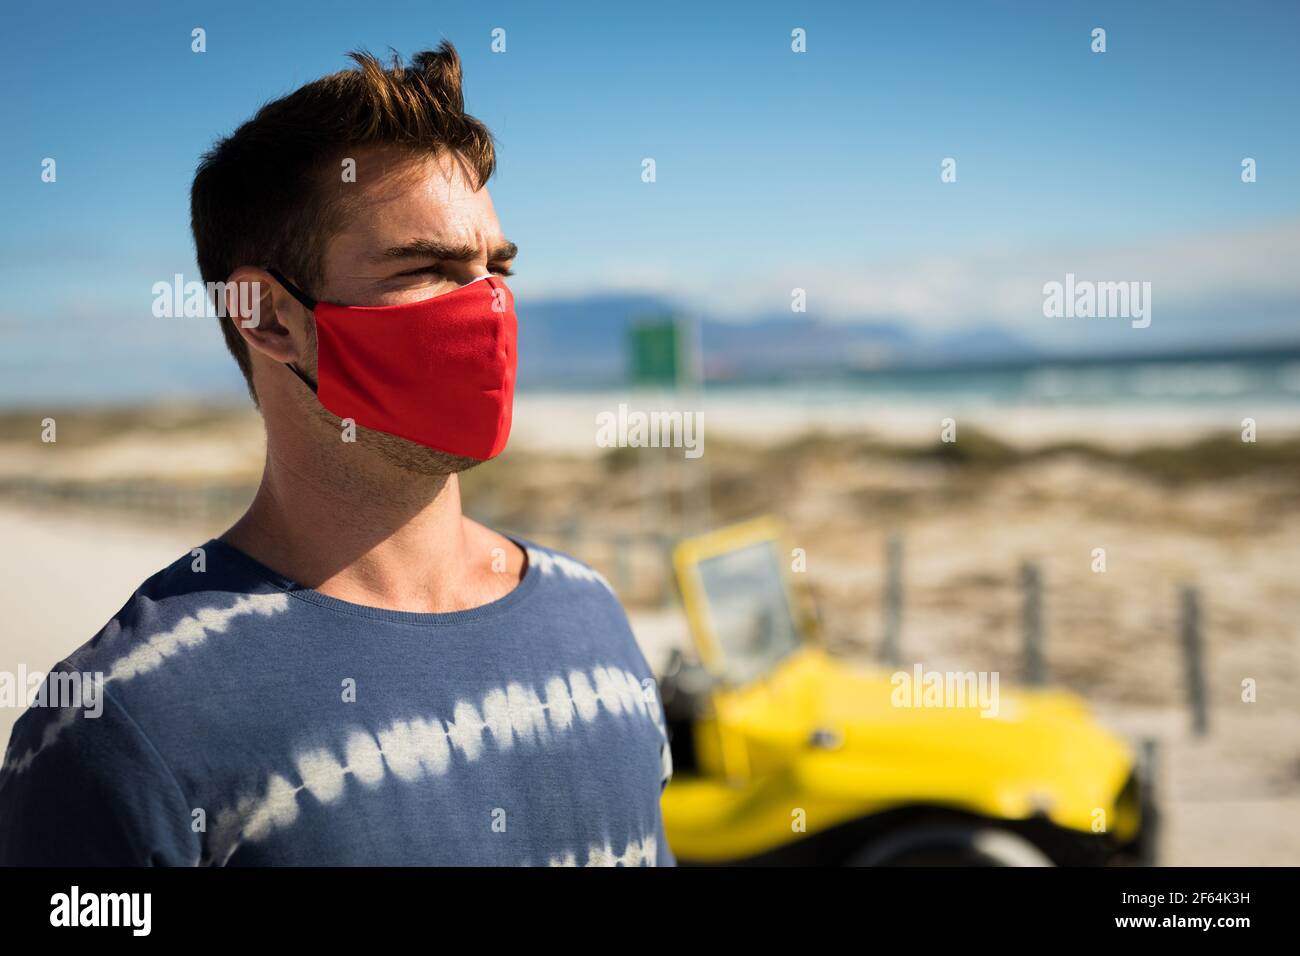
{"x": 119, "y": 496}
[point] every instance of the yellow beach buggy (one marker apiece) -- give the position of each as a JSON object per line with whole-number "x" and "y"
{"x": 785, "y": 755}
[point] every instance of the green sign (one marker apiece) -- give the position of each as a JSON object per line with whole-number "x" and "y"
{"x": 657, "y": 353}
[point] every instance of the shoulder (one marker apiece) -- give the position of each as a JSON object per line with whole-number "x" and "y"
{"x": 577, "y": 598}
{"x": 91, "y": 730}
{"x": 565, "y": 570}
{"x": 571, "y": 586}
{"x": 552, "y": 570}
{"x": 178, "y": 628}
{"x": 179, "y": 608}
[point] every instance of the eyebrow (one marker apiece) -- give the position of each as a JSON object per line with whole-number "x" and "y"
{"x": 448, "y": 251}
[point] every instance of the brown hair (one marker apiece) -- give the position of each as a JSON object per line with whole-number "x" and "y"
{"x": 271, "y": 193}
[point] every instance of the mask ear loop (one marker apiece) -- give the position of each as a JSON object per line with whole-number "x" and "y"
{"x": 309, "y": 304}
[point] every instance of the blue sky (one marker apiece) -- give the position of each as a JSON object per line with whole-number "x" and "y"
{"x": 775, "y": 169}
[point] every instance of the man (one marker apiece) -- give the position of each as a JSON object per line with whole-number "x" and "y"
{"x": 355, "y": 673}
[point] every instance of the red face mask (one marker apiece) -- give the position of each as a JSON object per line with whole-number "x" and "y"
{"x": 439, "y": 372}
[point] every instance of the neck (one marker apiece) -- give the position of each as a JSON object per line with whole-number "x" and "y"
{"x": 373, "y": 534}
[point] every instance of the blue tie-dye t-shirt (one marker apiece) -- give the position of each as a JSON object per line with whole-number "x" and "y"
{"x": 246, "y": 720}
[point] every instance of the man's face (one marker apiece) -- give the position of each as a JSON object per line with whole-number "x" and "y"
{"x": 415, "y": 229}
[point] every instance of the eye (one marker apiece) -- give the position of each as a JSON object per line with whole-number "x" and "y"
{"x": 423, "y": 270}
{"x": 437, "y": 270}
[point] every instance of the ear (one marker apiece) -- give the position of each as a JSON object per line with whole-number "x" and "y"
{"x": 268, "y": 318}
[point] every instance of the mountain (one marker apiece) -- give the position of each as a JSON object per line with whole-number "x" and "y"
{"x": 582, "y": 342}
{"x": 579, "y": 341}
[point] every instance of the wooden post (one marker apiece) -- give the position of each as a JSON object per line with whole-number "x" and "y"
{"x": 1150, "y": 771}
{"x": 1031, "y": 582}
{"x": 891, "y": 642}
{"x": 665, "y": 544}
{"x": 622, "y": 562}
{"x": 695, "y": 491}
{"x": 1194, "y": 656}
